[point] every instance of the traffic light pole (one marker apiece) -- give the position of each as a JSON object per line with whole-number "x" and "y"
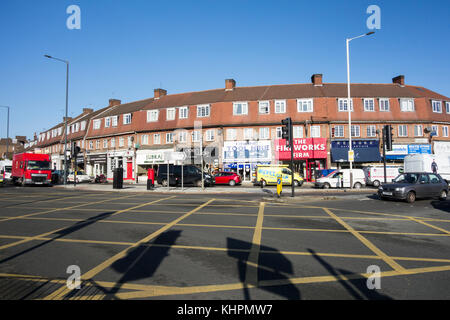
{"x": 384, "y": 153}
{"x": 292, "y": 164}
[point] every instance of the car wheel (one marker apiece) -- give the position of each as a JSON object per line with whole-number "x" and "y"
{"x": 296, "y": 184}
{"x": 410, "y": 197}
{"x": 443, "y": 195}
{"x": 326, "y": 185}
{"x": 232, "y": 183}
{"x": 357, "y": 185}
{"x": 376, "y": 183}
{"x": 198, "y": 183}
{"x": 164, "y": 183}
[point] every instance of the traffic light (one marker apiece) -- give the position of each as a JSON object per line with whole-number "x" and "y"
{"x": 388, "y": 134}
{"x": 286, "y": 130}
{"x": 75, "y": 150}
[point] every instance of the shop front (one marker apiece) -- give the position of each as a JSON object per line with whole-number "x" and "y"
{"x": 365, "y": 152}
{"x": 96, "y": 164}
{"x": 310, "y": 155}
{"x": 400, "y": 151}
{"x": 242, "y": 157}
{"x": 209, "y": 154}
{"x": 150, "y": 159}
{"x": 121, "y": 159}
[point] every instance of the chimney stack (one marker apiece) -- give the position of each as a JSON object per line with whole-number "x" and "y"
{"x": 400, "y": 80}
{"x": 114, "y": 102}
{"x": 316, "y": 79}
{"x": 160, "y": 93}
{"x": 88, "y": 110}
{"x": 68, "y": 119}
{"x": 230, "y": 84}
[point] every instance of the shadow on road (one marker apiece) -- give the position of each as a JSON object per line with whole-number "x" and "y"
{"x": 441, "y": 205}
{"x": 357, "y": 288}
{"x": 274, "y": 266}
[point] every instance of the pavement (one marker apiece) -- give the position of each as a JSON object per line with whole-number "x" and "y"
{"x": 137, "y": 245}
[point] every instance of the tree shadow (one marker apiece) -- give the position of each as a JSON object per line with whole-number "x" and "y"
{"x": 357, "y": 288}
{"x": 273, "y": 266}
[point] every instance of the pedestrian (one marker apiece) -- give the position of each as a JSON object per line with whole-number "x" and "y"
{"x": 434, "y": 166}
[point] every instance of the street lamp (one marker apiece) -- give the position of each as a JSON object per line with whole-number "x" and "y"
{"x": 349, "y": 105}
{"x": 67, "y": 109}
{"x": 7, "y": 131}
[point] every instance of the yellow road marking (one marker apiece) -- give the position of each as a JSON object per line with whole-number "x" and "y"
{"x": 59, "y": 294}
{"x": 367, "y": 243}
{"x": 251, "y": 271}
{"x": 429, "y": 225}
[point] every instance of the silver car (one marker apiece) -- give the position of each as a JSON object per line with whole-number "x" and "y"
{"x": 411, "y": 186}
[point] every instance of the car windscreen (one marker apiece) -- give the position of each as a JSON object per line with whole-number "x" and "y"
{"x": 407, "y": 178}
{"x": 38, "y": 165}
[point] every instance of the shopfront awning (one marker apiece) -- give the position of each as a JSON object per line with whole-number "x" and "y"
{"x": 365, "y": 151}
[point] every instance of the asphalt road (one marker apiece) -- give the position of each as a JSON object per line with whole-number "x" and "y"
{"x": 179, "y": 246}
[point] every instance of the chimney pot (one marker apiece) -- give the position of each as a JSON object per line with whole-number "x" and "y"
{"x": 316, "y": 79}
{"x": 230, "y": 84}
{"x": 160, "y": 93}
{"x": 400, "y": 80}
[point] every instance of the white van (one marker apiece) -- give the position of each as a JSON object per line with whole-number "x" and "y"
{"x": 5, "y": 169}
{"x": 423, "y": 163}
{"x": 375, "y": 174}
{"x": 341, "y": 179}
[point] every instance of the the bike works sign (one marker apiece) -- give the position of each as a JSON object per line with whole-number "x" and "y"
{"x": 309, "y": 148}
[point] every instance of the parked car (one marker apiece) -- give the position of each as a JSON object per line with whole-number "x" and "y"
{"x": 81, "y": 177}
{"x": 230, "y": 178}
{"x": 57, "y": 176}
{"x": 375, "y": 174}
{"x": 341, "y": 179}
{"x": 267, "y": 175}
{"x": 411, "y": 186}
{"x": 191, "y": 176}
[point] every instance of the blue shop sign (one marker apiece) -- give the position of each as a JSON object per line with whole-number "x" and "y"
{"x": 365, "y": 150}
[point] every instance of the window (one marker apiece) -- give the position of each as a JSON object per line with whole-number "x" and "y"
{"x": 447, "y": 107}
{"x": 298, "y": 132}
{"x": 169, "y": 137}
{"x": 121, "y": 142}
{"x": 279, "y": 132}
{"x": 264, "y": 107}
{"x": 264, "y": 133}
{"x": 91, "y": 145}
{"x": 114, "y": 121}
{"x": 369, "y": 105}
{"x": 418, "y": 130}
{"x": 77, "y": 127}
{"x": 280, "y": 106}
{"x": 435, "y": 129}
{"x": 113, "y": 142}
{"x": 407, "y": 105}
{"x": 83, "y": 125}
{"x": 371, "y": 131}
{"x": 196, "y": 136}
{"x": 96, "y": 124}
{"x": 157, "y": 138}
{"x": 231, "y": 134}
{"x": 315, "y": 131}
{"x": 445, "y": 131}
{"x": 127, "y": 118}
{"x": 210, "y": 135}
{"x": 97, "y": 144}
{"x": 144, "y": 139}
{"x": 170, "y": 114}
{"x": 152, "y": 115}
{"x": 203, "y": 111}
{"x": 248, "y": 134}
{"x": 105, "y": 144}
{"x": 240, "y": 108}
{"x": 305, "y": 105}
{"x": 184, "y": 112}
{"x": 403, "y": 130}
{"x": 107, "y": 122}
{"x": 343, "y": 104}
{"x": 339, "y": 131}
{"x": 182, "y": 136}
{"x": 355, "y": 131}
{"x": 129, "y": 142}
{"x": 437, "y": 106}
{"x": 384, "y": 104}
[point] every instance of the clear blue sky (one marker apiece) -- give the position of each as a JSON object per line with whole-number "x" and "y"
{"x": 125, "y": 49}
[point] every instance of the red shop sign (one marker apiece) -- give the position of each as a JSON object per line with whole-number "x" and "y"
{"x": 309, "y": 148}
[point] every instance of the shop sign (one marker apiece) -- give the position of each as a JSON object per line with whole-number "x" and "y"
{"x": 97, "y": 158}
{"x": 308, "y": 148}
{"x": 246, "y": 151}
{"x": 150, "y": 157}
{"x": 441, "y": 147}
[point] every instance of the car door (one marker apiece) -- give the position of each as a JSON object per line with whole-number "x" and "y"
{"x": 423, "y": 186}
{"x": 220, "y": 178}
{"x": 436, "y": 185}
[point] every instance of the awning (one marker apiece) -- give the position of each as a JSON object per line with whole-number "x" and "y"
{"x": 365, "y": 151}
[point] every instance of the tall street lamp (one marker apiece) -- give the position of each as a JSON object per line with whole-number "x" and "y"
{"x": 7, "y": 131}
{"x": 67, "y": 111}
{"x": 349, "y": 105}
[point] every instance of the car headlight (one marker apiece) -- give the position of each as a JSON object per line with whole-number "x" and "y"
{"x": 380, "y": 188}
{"x": 399, "y": 189}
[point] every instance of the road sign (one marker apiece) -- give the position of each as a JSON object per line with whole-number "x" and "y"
{"x": 351, "y": 156}
{"x": 174, "y": 156}
{"x": 279, "y": 184}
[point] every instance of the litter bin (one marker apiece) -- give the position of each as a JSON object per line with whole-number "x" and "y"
{"x": 118, "y": 178}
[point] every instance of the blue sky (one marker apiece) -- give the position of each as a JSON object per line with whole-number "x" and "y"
{"x": 125, "y": 49}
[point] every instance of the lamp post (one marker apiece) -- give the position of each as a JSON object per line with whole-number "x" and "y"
{"x": 7, "y": 131}
{"x": 67, "y": 110}
{"x": 349, "y": 105}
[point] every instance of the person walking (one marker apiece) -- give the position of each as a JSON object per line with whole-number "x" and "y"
{"x": 434, "y": 166}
